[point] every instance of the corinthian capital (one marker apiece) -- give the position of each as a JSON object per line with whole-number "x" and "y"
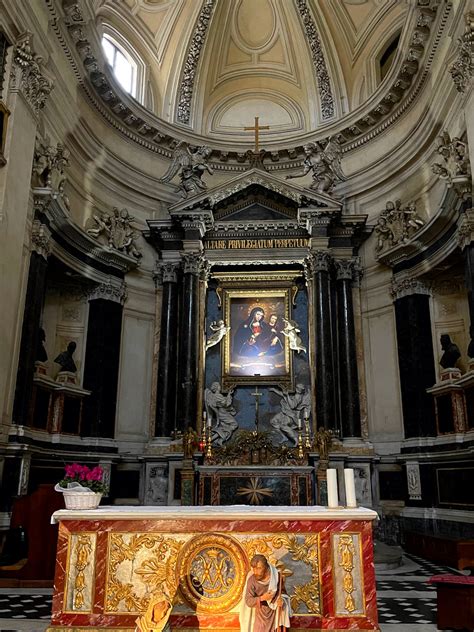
{"x": 192, "y": 262}
{"x": 28, "y": 74}
{"x": 345, "y": 269}
{"x": 166, "y": 272}
{"x": 319, "y": 261}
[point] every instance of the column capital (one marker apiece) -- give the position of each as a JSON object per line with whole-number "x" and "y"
{"x": 318, "y": 261}
{"x": 465, "y": 234}
{"x": 406, "y": 287}
{"x": 109, "y": 292}
{"x": 192, "y": 262}
{"x": 346, "y": 269}
{"x": 28, "y": 74}
{"x": 166, "y": 272}
{"x": 41, "y": 239}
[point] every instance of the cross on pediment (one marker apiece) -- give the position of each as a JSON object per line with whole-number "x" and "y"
{"x": 256, "y": 128}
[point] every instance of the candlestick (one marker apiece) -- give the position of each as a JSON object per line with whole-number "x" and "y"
{"x": 350, "y": 488}
{"x": 333, "y": 498}
{"x": 307, "y": 444}
{"x": 300, "y": 444}
{"x": 299, "y": 422}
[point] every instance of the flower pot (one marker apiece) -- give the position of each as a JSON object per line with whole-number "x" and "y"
{"x": 81, "y": 500}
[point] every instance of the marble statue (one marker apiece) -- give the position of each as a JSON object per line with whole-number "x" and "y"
{"x": 220, "y": 329}
{"x": 220, "y": 413}
{"x": 286, "y": 422}
{"x": 396, "y": 224}
{"x": 118, "y": 230}
{"x": 65, "y": 359}
{"x": 291, "y": 331}
{"x": 325, "y": 165}
{"x": 49, "y": 168}
{"x": 451, "y": 352}
{"x": 191, "y": 165}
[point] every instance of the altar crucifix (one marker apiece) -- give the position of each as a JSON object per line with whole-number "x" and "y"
{"x": 257, "y": 395}
{"x": 256, "y": 128}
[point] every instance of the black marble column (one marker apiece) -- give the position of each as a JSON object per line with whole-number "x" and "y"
{"x": 165, "y": 421}
{"x": 31, "y": 323}
{"x": 325, "y": 379}
{"x": 189, "y": 342}
{"x": 101, "y": 366}
{"x": 348, "y": 376}
{"x": 415, "y": 356}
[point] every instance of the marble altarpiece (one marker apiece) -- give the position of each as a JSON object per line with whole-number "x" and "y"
{"x": 258, "y": 243}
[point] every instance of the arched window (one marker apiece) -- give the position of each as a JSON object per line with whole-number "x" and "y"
{"x": 124, "y": 67}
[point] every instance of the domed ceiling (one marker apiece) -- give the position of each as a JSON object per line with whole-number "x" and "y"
{"x": 212, "y": 65}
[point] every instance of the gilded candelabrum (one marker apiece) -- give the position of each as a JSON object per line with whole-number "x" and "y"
{"x": 307, "y": 442}
{"x": 300, "y": 444}
{"x": 209, "y": 442}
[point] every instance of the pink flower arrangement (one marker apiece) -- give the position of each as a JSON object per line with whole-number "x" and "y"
{"x": 86, "y": 476}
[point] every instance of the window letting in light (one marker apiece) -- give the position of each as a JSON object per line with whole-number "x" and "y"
{"x": 123, "y": 67}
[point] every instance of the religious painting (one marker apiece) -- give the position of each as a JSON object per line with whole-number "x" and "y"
{"x": 256, "y": 351}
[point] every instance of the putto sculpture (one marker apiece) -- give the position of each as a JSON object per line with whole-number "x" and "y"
{"x": 396, "y": 224}
{"x": 291, "y": 331}
{"x": 325, "y": 165}
{"x": 220, "y": 329}
{"x": 117, "y": 228}
{"x": 220, "y": 414}
{"x": 287, "y": 421}
{"x": 191, "y": 165}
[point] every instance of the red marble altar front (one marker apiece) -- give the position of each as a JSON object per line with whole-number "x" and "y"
{"x": 110, "y": 560}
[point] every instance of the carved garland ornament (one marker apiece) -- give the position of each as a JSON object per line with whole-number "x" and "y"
{"x": 31, "y": 81}
{"x": 462, "y": 70}
{"x": 192, "y": 60}
{"x": 320, "y": 67}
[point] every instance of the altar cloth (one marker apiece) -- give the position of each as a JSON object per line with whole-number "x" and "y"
{"x": 111, "y": 560}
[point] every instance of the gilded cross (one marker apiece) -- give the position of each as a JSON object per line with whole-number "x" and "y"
{"x": 256, "y": 128}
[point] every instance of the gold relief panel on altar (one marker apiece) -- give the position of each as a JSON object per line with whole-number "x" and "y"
{"x": 80, "y": 575}
{"x": 206, "y": 572}
{"x": 348, "y": 574}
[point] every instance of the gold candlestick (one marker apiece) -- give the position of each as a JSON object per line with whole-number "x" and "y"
{"x": 307, "y": 443}
{"x": 209, "y": 442}
{"x": 300, "y": 444}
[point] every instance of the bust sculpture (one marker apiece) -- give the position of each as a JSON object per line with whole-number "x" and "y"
{"x": 451, "y": 352}
{"x": 65, "y": 359}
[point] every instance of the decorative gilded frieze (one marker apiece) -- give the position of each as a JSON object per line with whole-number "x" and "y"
{"x": 81, "y": 576}
{"x": 462, "y": 70}
{"x": 348, "y": 577}
{"x": 28, "y": 74}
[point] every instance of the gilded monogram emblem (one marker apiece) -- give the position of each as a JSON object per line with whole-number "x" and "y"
{"x": 211, "y": 572}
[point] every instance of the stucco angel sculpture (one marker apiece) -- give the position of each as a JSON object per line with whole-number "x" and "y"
{"x": 291, "y": 331}
{"x": 220, "y": 329}
{"x": 192, "y": 164}
{"x": 325, "y": 165}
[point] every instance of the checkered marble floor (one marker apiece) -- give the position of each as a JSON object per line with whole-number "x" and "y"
{"x": 406, "y": 602}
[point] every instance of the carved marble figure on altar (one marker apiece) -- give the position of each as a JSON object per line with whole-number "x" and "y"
{"x": 265, "y": 606}
{"x": 220, "y": 329}
{"x": 193, "y": 164}
{"x": 287, "y": 420}
{"x": 157, "y": 614}
{"x": 291, "y": 331}
{"x": 325, "y": 165}
{"x": 221, "y": 413}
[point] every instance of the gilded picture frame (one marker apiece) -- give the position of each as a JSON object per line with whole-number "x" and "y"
{"x": 255, "y": 351}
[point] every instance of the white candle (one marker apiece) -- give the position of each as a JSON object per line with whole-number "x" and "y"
{"x": 350, "y": 488}
{"x": 333, "y": 499}
{"x": 307, "y": 413}
{"x": 299, "y": 422}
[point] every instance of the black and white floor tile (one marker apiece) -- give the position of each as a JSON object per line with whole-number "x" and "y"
{"x": 404, "y": 598}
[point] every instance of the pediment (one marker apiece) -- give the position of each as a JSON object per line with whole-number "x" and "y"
{"x": 252, "y": 192}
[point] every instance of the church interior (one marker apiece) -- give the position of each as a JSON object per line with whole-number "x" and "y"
{"x": 237, "y": 264}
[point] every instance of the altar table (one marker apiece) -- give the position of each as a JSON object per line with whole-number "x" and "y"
{"x": 111, "y": 560}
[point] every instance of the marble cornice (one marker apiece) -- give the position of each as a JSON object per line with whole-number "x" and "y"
{"x": 76, "y": 35}
{"x": 76, "y": 240}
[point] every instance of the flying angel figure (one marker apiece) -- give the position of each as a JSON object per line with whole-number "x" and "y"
{"x": 220, "y": 329}
{"x": 291, "y": 331}
{"x": 325, "y": 165}
{"x": 192, "y": 164}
